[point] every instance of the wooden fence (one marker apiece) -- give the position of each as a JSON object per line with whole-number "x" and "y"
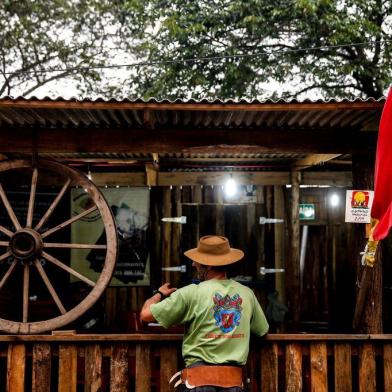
{"x": 144, "y": 363}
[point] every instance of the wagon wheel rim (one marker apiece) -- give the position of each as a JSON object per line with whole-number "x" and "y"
{"x": 26, "y": 244}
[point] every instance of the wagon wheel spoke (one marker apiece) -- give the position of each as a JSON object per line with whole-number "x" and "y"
{"x": 73, "y": 246}
{"x": 53, "y": 206}
{"x": 4, "y": 243}
{"x": 32, "y": 198}
{"x": 8, "y": 274}
{"x": 66, "y": 268}
{"x": 26, "y": 282}
{"x": 5, "y": 255}
{"x": 69, "y": 221}
{"x": 7, "y": 232}
{"x": 9, "y": 209}
{"x": 49, "y": 286}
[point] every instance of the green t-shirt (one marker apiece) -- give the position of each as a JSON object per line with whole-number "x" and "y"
{"x": 218, "y": 315}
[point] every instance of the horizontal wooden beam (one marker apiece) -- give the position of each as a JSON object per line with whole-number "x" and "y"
{"x": 190, "y": 106}
{"x": 145, "y": 337}
{"x": 313, "y": 159}
{"x": 220, "y": 178}
{"x": 213, "y": 141}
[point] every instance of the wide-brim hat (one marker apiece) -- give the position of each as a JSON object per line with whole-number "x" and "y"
{"x": 214, "y": 250}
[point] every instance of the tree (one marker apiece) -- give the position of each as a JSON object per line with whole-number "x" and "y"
{"x": 335, "y": 48}
{"x": 197, "y": 49}
{"x": 67, "y": 35}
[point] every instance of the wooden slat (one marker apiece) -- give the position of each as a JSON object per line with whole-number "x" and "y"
{"x": 292, "y": 275}
{"x": 280, "y": 240}
{"x": 367, "y": 368}
{"x": 217, "y": 178}
{"x": 269, "y": 367}
{"x": 143, "y": 368}
{"x": 293, "y": 368}
{"x": 343, "y": 373}
{"x": 313, "y": 159}
{"x": 168, "y": 367}
{"x": 110, "y": 307}
{"x": 166, "y": 233}
{"x": 93, "y": 368}
{"x": 136, "y": 337}
{"x": 16, "y": 360}
{"x": 41, "y": 367}
{"x": 119, "y": 368}
{"x": 175, "y": 253}
{"x": 388, "y": 367}
{"x": 68, "y": 355}
{"x": 318, "y": 367}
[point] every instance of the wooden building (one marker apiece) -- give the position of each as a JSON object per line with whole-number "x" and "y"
{"x": 283, "y": 155}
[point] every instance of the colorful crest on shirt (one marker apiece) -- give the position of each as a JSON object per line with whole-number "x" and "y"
{"x": 227, "y": 311}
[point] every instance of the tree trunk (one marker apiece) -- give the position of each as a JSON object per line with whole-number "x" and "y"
{"x": 368, "y": 308}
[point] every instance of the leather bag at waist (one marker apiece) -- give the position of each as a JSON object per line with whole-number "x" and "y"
{"x": 219, "y": 376}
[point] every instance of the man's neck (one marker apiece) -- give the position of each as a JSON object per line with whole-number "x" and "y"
{"x": 212, "y": 274}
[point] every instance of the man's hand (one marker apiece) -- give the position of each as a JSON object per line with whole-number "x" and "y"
{"x": 166, "y": 290}
{"x": 145, "y": 313}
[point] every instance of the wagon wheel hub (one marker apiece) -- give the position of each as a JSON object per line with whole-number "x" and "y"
{"x": 26, "y": 244}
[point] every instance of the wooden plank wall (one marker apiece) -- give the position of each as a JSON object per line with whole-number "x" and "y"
{"x": 170, "y": 240}
{"x": 145, "y": 363}
{"x": 325, "y": 300}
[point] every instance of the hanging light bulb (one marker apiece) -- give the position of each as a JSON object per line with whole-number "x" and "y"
{"x": 231, "y": 187}
{"x": 89, "y": 175}
{"x": 334, "y": 200}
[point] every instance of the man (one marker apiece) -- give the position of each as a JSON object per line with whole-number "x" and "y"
{"x": 219, "y": 314}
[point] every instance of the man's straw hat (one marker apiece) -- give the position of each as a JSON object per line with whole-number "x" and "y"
{"x": 214, "y": 250}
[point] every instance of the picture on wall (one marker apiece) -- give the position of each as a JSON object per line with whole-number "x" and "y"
{"x": 130, "y": 207}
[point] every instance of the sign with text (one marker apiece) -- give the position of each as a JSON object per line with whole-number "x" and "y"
{"x": 358, "y": 206}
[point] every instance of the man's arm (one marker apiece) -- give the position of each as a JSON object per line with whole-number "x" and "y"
{"x": 145, "y": 313}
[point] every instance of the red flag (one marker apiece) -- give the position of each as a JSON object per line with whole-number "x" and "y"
{"x": 382, "y": 204}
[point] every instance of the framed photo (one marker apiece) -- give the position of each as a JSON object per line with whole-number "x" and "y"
{"x": 130, "y": 208}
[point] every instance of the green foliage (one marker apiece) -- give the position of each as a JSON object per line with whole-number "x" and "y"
{"x": 276, "y": 34}
{"x": 244, "y": 47}
{"x": 38, "y": 35}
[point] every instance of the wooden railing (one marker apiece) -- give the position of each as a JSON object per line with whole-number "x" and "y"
{"x": 145, "y": 362}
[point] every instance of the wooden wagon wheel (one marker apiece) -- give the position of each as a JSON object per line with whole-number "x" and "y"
{"x": 27, "y": 244}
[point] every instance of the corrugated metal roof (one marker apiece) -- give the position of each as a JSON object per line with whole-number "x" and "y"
{"x": 151, "y": 113}
{"x": 203, "y": 115}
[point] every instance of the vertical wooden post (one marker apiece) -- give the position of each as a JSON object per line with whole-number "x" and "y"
{"x": 110, "y": 307}
{"x": 143, "y": 367}
{"x": 387, "y": 356}
{"x": 156, "y": 235}
{"x": 318, "y": 367}
{"x": 279, "y": 231}
{"x": 189, "y": 234}
{"x": 168, "y": 366}
{"x": 269, "y": 367}
{"x": 367, "y": 368}
{"x": 16, "y": 360}
{"x": 343, "y": 373}
{"x": 41, "y": 367}
{"x": 292, "y": 266}
{"x": 119, "y": 368}
{"x": 93, "y": 368}
{"x": 293, "y": 368}
{"x": 176, "y": 236}
{"x": 260, "y": 211}
{"x": 197, "y": 194}
{"x": 368, "y": 309}
{"x": 68, "y": 356}
{"x": 166, "y": 233}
